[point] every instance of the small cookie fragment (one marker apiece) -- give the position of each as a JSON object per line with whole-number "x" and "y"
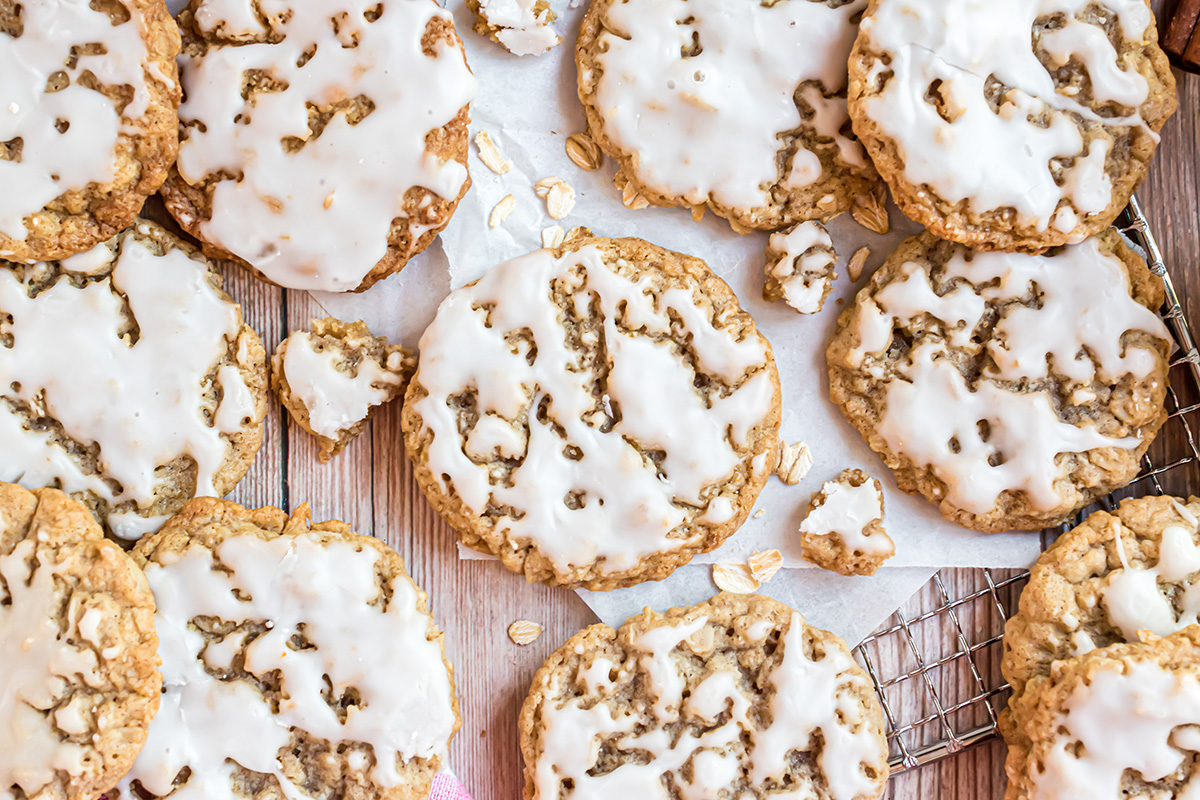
{"x": 298, "y": 657}
{"x": 524, "y": 632}
{"x": 843, "y": 527}
{"x": 522, "y": 27}
{"x": 764, "y": 564}
{"x": 77, "y": 651}
{"x": 799, "y": 267}
{"x": 730, "y": 698}
{"x": 334, "y": 379}
{"x": 795, "y": 460}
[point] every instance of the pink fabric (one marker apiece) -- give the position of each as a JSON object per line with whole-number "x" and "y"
{"x": 447, "y": 787}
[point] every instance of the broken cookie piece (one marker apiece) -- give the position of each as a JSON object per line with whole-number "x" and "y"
{"x": 799, "y": 267}
{"x": 522, "y": 27}
{"x": 333, "y": 379}
{"x": 843, "y": 529}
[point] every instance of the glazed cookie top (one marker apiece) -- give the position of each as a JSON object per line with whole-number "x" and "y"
{"x": 800, "y": 267}
{"x": 588, "y": 411}
{"x": 1031, "y": 122}
{"x": 739, "y": 105}
{"x": 985, "y": 371}
{"x": 731, "y": 696}
{"x": 291, "y": 654}
{"x": 1105, "y": 581}
{"x": 1118, "y": 722}
{"x": 313, "y": 128}
{"x": 130, "y": 379}
{"x": 81, "y": 82}
{"x": 78, "y": 645}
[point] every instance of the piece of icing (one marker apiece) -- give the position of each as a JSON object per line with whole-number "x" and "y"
{"x": 808, "y": 698}
{"x": 846, "y": 513}
{"x": 39, "y": 664}
{"x": 335, "y": 400}
{"x": 68, "y": 138}
{"x": 138, "y": 398}
{"x": 522, "y": 30}
{"x": 623, "y": 505}
{"x": 802, "y": 261}
{"x": 1005, "y": 158}
{"x": 1084, "y": 308}
{"x": 360, "y": 644}
{"x": 1130, "y": 720}
{"x": 709, "y": 124}
{"x": 1140, "y": 598}
{"x": 318, "y": 217}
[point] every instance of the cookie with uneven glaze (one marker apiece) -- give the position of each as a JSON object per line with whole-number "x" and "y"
{"x": 522, "y": 27}
{"x": 843, "y": 525}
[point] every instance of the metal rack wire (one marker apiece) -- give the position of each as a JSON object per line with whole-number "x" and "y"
{"x": 940, "y": 687}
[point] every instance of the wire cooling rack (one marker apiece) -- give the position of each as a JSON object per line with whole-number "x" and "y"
{"x": 936, "y": 662}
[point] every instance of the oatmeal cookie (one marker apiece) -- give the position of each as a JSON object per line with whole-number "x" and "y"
{"x": 737, "y": 105}
{"x": 843, "y": 525}
{"x": 522, "y": 27}
{"x": 1011, "y": 390}
{"x": 334, "y": 379}
{"x": 130, "y": 380}
{"x": 734, "y": 697}
{"x": 322, "y": 145}
{"x": 799, "y": 267}
{"x": 1019, "y": 126}
{"x": 1117, "y": 722}
{"x": 594, "y": 415}
{"x": 88, "y": 124}
{"x": 298, "y": 660}
{"x": 78, "y": 650}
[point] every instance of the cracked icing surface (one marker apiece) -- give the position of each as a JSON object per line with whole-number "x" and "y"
{"x": 77, "y": 645}
{"x": 843, "y": 525}
{"x": 522, "y": 27}
{"x": 87, "y": 121}
{"x": 738, "y": 105}
{"x": 130, "y": 380}
{"x": 1010, "y": 389}
{"x": 1015, "y": 127}
{"x": 1119, "y": 722}
{"x": 298, "y": 660}
{"x": 735, "y": 697}
{"x": 323, "y": 145}
{"x": 593, "y": 415}
{"x": 799, "y": 267}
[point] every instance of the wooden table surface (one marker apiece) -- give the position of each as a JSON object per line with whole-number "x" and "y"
{"x": 370, "y": 486}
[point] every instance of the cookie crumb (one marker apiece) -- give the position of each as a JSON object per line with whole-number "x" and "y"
{"x": 735, "y": 578}
{"x": 553, "y": 236}
{"x": 843, "y": 528}
{"x": 490, "y": 155}
{"x": 764, "y": 564}
{"x": 758, "y": 514}
{"x": 631, "y": 197}
{"x": 524, "y": 632}
{"x": 799, "y": 267}
{"x": 795, "y": 460}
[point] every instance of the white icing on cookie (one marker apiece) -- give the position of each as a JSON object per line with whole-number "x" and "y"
{"x": 846, "y": 512}
{"x": 335, "y": 400}
{"x": 138, "y": 398}
{"x": 54, "y": 161}
{"x": 319, "y": 217}
{"x": 295, "y": 585}
{"x": 710, "y": 124}
{"x": 39, "y": 664}
{"x": 522, "y": 30}
{"x": 808, "y": 697}
{"x": 804, "y": 273}
{"x": 1124, "y": 720}
{"x": 999, "y": 160}
{"x": 1085, "y": 308}
{"x": 626, "y": 505}
{"x": 1136, "y": 598}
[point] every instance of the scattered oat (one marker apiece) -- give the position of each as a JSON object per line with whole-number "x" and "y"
{"x": 854, "y": 266}
{"x": 630, "y": 196}
{"x": 764, "y": 564}
{"x": 552, "y": 236}
{"x": 795, "y": 460}
{"x": 501, "y": 210}
{"x": 870, "y": 210}
{"x": 759, "y": 513}
{"x": 524, "y": 632}
{"x": 698, "y": 212}
{"x": 558, "y": 194}
{"x": 489, "y": 154}
{"x": 734, "y": 578}
{"x": 584, "y": 152}
{"x": 542, "y": 188}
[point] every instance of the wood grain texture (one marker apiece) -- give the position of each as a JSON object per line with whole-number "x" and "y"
{"x": 370, "y": 486}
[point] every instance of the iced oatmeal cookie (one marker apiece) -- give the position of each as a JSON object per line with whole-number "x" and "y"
{"x": 843, "y": 525}
{"x": 522, "y": 27}
{"x": 734, "y": 697}
{"x": 322, "y": 145}
{"x": 333, "y": 379}
{"x": 298, "y": 660}
{"x": 1010, "y": 126}
{"x": 1113, "y": 723}
{"x": 77, "y": 651}
{"x": 88, "y": 127}
{"x": 738, "y": 105}
{"x": 594, "y": 415}
{"x": 1009, "y": 389}
{"x": 130, "y": 381}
